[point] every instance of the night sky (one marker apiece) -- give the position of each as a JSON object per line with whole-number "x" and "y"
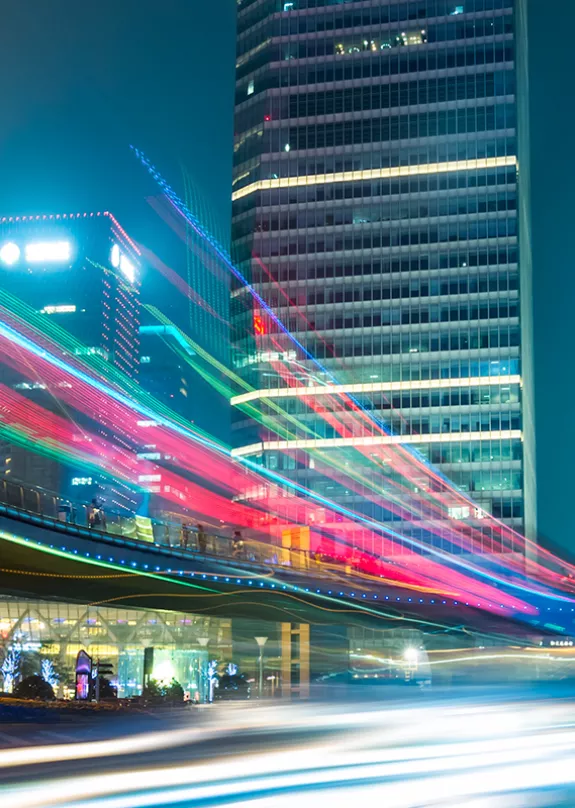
{"x": 81, "y": 81}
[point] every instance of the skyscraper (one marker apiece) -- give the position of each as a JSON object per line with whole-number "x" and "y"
{"x": 379, "y": 212}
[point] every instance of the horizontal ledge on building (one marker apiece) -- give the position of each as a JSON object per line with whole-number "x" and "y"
{"x": 375, "y": 440}
{"x": 374, "y": 387}
{"x": 375, "y": 174}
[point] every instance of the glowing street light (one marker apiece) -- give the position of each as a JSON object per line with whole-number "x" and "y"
{"x": 9, "y": 253}
{"x": 204, "y": 672}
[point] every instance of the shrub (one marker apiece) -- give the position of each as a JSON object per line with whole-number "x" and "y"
{"x": 164, "y": 693}
{"x": 34, "y": 687}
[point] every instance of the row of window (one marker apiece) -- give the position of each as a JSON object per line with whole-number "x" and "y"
{"x": 500, "y": 480}
{"x": 440, "y": 424}
{"x": 398, "y": 127}
{"x": 381, "y": 344}
{"x": 420, "y": 399}
{"x": 252, "y": 55}
{"x": 488, "y": 310}
{"x": 290, "y": 23}
{"x": 421, "y": 371}
{"x": 368, "y": 39}
{"x": 370, "y": 265}
{"x": 368, "y": 189}
{"x": 476, "y": 452}
{"x": 330, "y": 11}
{"x": 394, "y": 237}
{"x": 449, "y": 424}
{"x": 488, "y": 480}
{"x": 378, "y": 97}
{"x": 417, "y": 62}
{"x": 375, "y": 213}
{"x": 429, "y": 91}
{"x": 331, "y": 160}
{"x": 416, "y": 288}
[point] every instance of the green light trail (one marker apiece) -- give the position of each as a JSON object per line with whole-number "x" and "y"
{"x": 20, "y": 540}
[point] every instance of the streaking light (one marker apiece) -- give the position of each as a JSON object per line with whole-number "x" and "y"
{"x": 48, "y": 251}
{"x": 9, "y": 253}
{"x": 115, "y": 256}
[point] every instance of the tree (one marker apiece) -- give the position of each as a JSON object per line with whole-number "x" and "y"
{"x": 48, "y": 672}
{"x": 34, "y": 687}
{"x": 10, "y": 669}
{"x": 164, "y": 693}
{"x": 175, "y": 692}
{"x": 232, "y": 686}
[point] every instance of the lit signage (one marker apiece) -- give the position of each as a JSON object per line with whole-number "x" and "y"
{"x": 9, "y": 253}
{"x": 47, "y": 251}
{"x": 36, "y": 252}
{"x": 58, "y": 309}
{"x": 127, "y": 268}
{"x": 123, "y": 263}
{"x": 81, "y": 481}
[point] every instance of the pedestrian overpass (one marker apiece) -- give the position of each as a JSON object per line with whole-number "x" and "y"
{"x": 44, "y": 557}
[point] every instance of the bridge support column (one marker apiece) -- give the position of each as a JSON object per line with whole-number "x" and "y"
{"x": 295, "y": 550}
{"x": 295, "y": 659}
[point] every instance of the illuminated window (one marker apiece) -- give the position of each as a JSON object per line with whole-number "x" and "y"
{"x": 413, "y": 37}
{"x": 115, "y": 256}
{"x": 459, "y": 513}
{"x": 91, "y": 351}
{"x": 127, "y": 269}
{"x": 251, "y": 87}
{"x": 48, "y": 251}
{"x": 58, "y": 310}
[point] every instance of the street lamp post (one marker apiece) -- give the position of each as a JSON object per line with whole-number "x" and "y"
{"x": 261, "y": 641}
{"x": 203, "y": 672}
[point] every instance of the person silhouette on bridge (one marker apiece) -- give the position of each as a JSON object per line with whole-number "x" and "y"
{"x": 237, "y": 544}
{"x": 185, "y": 536}
{"x": 96, "y": 516}
{"x": 202, "y": 539}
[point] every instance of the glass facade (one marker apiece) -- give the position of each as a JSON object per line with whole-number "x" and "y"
{"x": 41, "y": 630}
{"x": 376, "y": 202}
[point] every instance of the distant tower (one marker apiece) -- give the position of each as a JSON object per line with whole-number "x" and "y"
{"x": 81, "y": 272}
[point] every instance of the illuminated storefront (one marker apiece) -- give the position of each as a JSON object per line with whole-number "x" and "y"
{"x": 183, "y": 643}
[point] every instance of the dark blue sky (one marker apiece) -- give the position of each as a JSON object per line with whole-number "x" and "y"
{"x": 81, "y": 81}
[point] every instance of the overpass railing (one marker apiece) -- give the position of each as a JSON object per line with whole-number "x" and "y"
{"x": 175, "y": 535}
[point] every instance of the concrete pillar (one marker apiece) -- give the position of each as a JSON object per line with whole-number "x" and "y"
{"x": 295, "y": 660}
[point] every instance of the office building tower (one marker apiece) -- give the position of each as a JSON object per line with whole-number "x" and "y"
{"x": 379, "y": 211}
{"x": 80, "y": 272}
